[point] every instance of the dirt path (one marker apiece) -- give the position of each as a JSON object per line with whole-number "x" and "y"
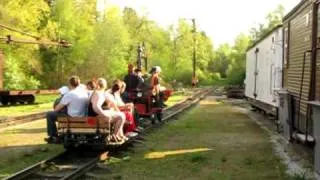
{"x": 23, "y": 145}
{"x": 212, "y": 141}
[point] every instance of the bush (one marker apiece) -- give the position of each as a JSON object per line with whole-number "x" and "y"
{"x": 236, "y": 77}
{"x": 15, "y": 78}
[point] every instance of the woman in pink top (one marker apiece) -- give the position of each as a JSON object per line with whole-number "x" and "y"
{"x": 127, "y": 108}
{"x": 113, "y": 115}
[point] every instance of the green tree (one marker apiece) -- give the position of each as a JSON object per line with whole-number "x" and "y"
{"x": 73, "y": 21}
{"x": 237, "y": 67}
{"x": 106, "y": 57}
{"x": 221, "y": 60}
{"x": 272, "y": 20}
{"x": 25, "y": 15}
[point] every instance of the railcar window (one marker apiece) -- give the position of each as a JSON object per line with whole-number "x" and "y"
{"x": 307, "y": 18}
{"x": 273, "y": 48}
{"x": 318, "y": 25}
{"x": 286, "y": 41}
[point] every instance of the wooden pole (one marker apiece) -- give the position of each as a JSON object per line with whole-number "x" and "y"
{"x": 1, "y": 68}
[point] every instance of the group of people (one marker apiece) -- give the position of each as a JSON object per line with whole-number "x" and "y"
{"x": 135, "y": 80}
{"x": 95, "y": 100}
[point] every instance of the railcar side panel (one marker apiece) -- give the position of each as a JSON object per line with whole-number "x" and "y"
{"x": 264, "y": 69}
{"x": 298, "y": 61}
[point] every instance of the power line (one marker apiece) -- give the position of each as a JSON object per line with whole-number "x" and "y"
{"x": 18, "y": 31}
{"x": 10, "y": 40}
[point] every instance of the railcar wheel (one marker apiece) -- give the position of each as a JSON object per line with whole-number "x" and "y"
{"x": 29, "y": 99}
{"x": 13, "y": 100}
{"x": 69, "y": 147}
{"x": 4, "y": 101}
{"x": 159, "y": 116}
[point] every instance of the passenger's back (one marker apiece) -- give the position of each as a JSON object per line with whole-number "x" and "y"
{"x": 77, "y": 101}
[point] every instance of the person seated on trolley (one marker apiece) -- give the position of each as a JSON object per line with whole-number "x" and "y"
{"x": 76, "y": 102}
{"x": 91, "y": 86}
{"x": 63, "y": 90}
{"x": 112, "y": 115}
{"x": 140, "y": 79}
{"x": 154, "y": 84}
{"x": 114, "y": 94}
{"x": 130, "y": 79}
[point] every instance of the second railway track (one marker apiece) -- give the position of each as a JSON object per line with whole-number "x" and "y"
{"x": 16, "y": 120}
{"x": 75, "y": 164}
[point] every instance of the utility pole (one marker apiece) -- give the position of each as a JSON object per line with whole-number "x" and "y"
{"x": 142, "y": 55}
{"x": 139, "y": 58}
{"x": 194, "y": 31}
{"x": 145, "y": 56}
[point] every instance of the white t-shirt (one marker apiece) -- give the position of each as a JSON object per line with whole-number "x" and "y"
{"x": 76, "y": 100}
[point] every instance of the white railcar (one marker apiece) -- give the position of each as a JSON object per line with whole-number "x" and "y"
{"x": 264, "y": 71}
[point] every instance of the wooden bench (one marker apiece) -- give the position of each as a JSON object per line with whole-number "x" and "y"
{"x": 82, "y": 125}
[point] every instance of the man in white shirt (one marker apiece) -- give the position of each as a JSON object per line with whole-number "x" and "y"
{"x": 76, "y": 101}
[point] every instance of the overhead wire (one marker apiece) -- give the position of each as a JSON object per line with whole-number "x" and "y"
{"x": 18, "y": 31}
{"x": 8, "y": 39}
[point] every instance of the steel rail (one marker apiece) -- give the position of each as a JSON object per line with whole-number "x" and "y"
{"x": 33, "y": 168}
{"x": 91, "y": 162}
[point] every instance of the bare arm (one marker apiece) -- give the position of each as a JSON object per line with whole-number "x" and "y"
{"x": 96, "y": 107}
{"x": 113, "y": 105}
{"x": 59, "y": 107}
{"x": 157, "y": 88}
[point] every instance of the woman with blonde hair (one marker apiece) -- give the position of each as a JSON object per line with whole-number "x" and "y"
{"x": 114, "y": 93}
{"x": 97, "y": 101}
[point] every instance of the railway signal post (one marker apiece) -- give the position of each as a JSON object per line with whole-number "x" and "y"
{"x": 194, "y": 55}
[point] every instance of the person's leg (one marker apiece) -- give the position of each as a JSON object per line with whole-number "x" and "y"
{"x": 117, "y": 123}
{"x": 161, "y": 99}
{"x": 132, "y": 125}
{"x": 120, "y": 120}
{"x": 51, "y": 123}
{"x": 136, "y": 117}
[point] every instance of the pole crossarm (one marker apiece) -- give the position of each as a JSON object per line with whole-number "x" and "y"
{"x": 38, "y": 40}
{"x": 9, "y": 40}
{"x": 18, "y": 31}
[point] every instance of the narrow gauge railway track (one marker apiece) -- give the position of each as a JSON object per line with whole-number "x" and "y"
{"x": 11, "y": 121}
{"x": 67, "y": 165}
{"x": 75, "y": 164}
{"x": 16, "y": 120}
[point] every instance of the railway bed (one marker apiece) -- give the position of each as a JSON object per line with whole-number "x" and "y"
{"x": 10, "y": 121}
{"x": 16, "y": 120}
{"x": 75, "y": 164}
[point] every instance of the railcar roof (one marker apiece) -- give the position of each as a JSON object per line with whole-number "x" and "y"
{"x": 264, "y": 37}
{"x": 301, "y": 3}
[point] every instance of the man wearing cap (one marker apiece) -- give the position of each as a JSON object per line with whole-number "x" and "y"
{"x": 155, "y": 81}
{"x": 75, "y": 100}
{"x": 155, "y": 85}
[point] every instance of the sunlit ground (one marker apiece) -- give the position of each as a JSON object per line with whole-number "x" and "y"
{"x": 23, "y": 145}
{"x": 212, "y": 141}
{"x": 158, "y": 155}
{"x": 42, "y": 103}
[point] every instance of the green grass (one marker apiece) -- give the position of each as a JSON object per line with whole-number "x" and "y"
{"x": 42, "y": 103}
{"x": 174, "y": 99}
{"x": 23, "y": 145}
{"x": 178, "y": 96}
{"x": 212, "y": 141}
{"x": 46, "y": 98}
